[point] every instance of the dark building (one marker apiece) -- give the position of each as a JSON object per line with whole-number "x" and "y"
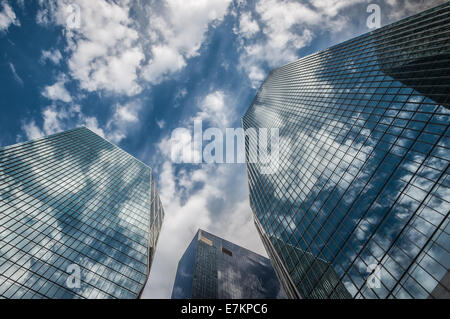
{"x": 79, "y": 218}
{"x": 213, "y": 268}
{"x": 359, "y": 205}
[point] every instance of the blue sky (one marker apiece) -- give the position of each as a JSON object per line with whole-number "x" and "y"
{"x": 133, "y": 71}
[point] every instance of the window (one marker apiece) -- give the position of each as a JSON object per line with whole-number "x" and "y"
{"x": 227, "y": 252}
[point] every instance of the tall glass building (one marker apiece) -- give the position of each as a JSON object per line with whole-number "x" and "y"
{"x": 359, "y": 205}
{"x": 79, "y": 218}
{"x": 213, "y": 268}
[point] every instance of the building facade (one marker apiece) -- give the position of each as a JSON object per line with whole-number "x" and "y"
{"x": 213, "y": 268}
{"x": 359, "y": 204}
{"x": 79, "y": 218}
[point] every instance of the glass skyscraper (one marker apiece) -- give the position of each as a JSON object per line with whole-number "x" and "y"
{"x": 359, "y": 205}
{"x": 79, "y": 218}
{"x": 213, "y": 268}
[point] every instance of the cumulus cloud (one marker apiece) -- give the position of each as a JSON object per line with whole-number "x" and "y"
{"x": 331, "y": 8}
{"x": 7, "y": 17}
{"x": 110, "y": 50}
{"x": 113, "y": 51}
{"x": 177, "y": 32}
{"x": 104, "y": 54}
{"x": 32, "y": 131}
{"x": 125, "y": 118}
{"x": 248, "y": 26}
{"x": 54, "y": 56}
{"x": 105, "y": 51}
{"x": 57, "y": 91}
{"x": 214, "y": 109}
{"x": 56, "y": 119}
{"x": 165, "y": 61}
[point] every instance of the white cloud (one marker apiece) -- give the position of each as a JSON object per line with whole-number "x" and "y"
{"x": 332, "y": 8}
{"x": 256, "y": 74}
{"x": 112, "y": 51}
{"x": 165, "y": 61}
{"x": 7, "y": 17}
{"x": 54, "y": 56}
{"x": 96, "y": 70}
{"x": 214, "y": 109}
{"x": 124, "y": 119}
{"x": 105, "y": 51}
{"x": 177, "y": 32}
{"x": 106, "y": 54}
{"x": 247, "y": 26}
{"x": 52, "y": 120}
{"x": 161, "y": 124}
{"x": 16, "y": 77}
{"x": 179, "y": 147}
{"x": 57, "y": 119}
{"x": 32, "y": 131}
{"x": 57, "y": 91}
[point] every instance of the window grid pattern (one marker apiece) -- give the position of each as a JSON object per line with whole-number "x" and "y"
{"x": 364, "y": 164}
{"x": 75, "y": 199}
{"x": 204, "y": 283}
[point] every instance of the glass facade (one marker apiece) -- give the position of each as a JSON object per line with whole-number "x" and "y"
{"x": 213, "y": 268}
{"x": 79, "y": 218}
{"x": 359, "y": 206}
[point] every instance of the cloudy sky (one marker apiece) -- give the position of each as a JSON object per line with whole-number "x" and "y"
{"x": 133, "y": 71}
